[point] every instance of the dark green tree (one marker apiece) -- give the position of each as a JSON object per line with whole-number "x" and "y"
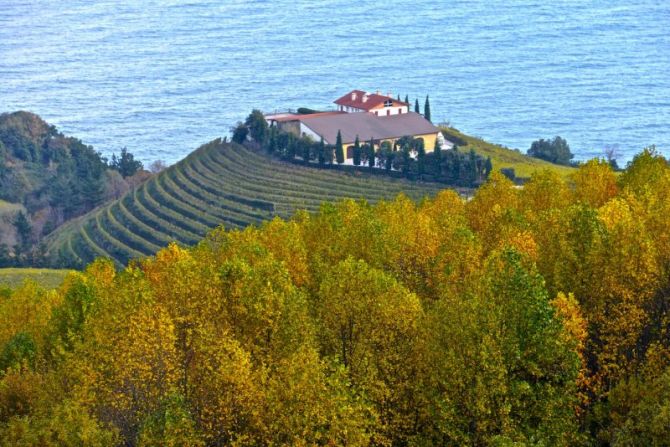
{"x": 305, "y": 149}
{"x": 420, "y": 156}
{"x": 406, "y": 159}
{"x": 5, "y": 258}
{"x": 272, "y": 140}
{"x": 437, "y": 158}
{"x": 291, "y": 148}
{"x": 371, "y": 153}
{"x": 240, "y": 133}
{"x": 321, "y": 152}
{"x": 416, "y": 106}
{"x": 23, "y": 231}
{"x": 339, "y": 149}
{"x": 385, "y": 155}
{"x": 258, "y": 127}
{"x": 426, "y": 109}
{"x": 126, "y": 163}
{"x": 357, "y": 152}
{"x": 555, "y": 151}
{"x": 488, "y": 167}
{"x": 407, "y": 100}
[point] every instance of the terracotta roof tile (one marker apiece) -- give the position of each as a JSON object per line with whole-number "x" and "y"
{"x": 372, "y": 100}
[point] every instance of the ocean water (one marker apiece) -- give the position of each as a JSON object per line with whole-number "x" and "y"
{"x": 163, "y": 77}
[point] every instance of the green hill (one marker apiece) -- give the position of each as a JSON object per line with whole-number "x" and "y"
{"x": 503, "y": 157}
{"x": 218, "y": 184}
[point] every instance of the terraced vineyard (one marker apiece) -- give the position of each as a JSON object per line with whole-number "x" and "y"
{"x": 218, "y": 184}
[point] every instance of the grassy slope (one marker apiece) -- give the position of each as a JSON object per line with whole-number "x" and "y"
{"x": 47, "y": 278}
{"x": 218, "y": 184}
{"x": 503, "y": 157}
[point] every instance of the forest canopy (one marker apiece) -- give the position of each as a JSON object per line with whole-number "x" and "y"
{"x": 525, "y": 316}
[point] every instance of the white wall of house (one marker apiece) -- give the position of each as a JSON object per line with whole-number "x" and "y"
{"x": 387, "y": 111}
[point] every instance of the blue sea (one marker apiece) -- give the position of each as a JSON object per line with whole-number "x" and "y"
{"x": 163, "y": 77}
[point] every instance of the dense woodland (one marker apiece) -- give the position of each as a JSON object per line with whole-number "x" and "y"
{"x": 535, "y": 316}
{"x": 47, "y": 178}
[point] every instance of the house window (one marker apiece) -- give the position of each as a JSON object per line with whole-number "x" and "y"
{"x": 388, "y": 112}
{"x": 388, "y": 103}
{"x": 350, "y": 152}
{"x": 377, "y": 113}
{"x": 399, "y": 111}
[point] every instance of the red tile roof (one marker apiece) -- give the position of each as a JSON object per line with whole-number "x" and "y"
{"x": 372, "y": 100}
{"x": 300, "y": 117}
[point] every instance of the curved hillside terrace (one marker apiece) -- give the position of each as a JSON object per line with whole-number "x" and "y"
{"x": 218, "y": 184}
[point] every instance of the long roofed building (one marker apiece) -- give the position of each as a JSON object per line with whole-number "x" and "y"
{"x": 366, "y": 116}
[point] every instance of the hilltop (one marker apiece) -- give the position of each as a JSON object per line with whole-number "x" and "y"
{"x": 220, "y": 183}
{"x": 47, "y": 178}
{"x": 502, "y": 157}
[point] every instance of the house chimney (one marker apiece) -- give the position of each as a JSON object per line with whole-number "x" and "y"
{"x": 365, "y": 98}
{"x": 378, "y": 92}
{"x": 353, "y": 96}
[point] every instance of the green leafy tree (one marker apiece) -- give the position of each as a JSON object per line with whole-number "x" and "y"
{"x": 426, "y": 109}
{"x": 305, "y": 149}
{"x": 126, "y": 163}
{"x": 321, "y": 152}
{"x": 23, "y": 230}
{"x": 385, "y": 155}
{"x": 357, "y": 152}
{"x": 272, "y": 144}
{"x": 258, "y": 127}
{"x": 21, "y": 349}
{"x": 339, "y": 149}
{"x": 555, "y": 151}
{"x": 240, "y": 133}
{"x": 437, "y": 158}
{"x": 371, "y": 153}
{"x": 420, "y": 156}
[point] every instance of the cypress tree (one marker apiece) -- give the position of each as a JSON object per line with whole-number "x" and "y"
{"x": 357, "y": 152}
{"x": 371, "y": 153}
{"x": 306, "y": 152}
{"x": 398, "y": 97}
{"x": 416, "y": 106}
{"x": 339, "y": 150}
{"x": 321, "y": 153}
{"x": 407, "y": 100}
{"x": 290, "y": 148}
{"x": 437, "y": 157}
{"x": 421, "y": 156}
{"x": 426, "y": 109}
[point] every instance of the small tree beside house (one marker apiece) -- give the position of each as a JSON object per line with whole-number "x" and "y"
{"x": 339, "y": 149}
{"x": 357, "y": 152}
{"x": 371, "y": 153}
{"x": 321, "y": 153}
